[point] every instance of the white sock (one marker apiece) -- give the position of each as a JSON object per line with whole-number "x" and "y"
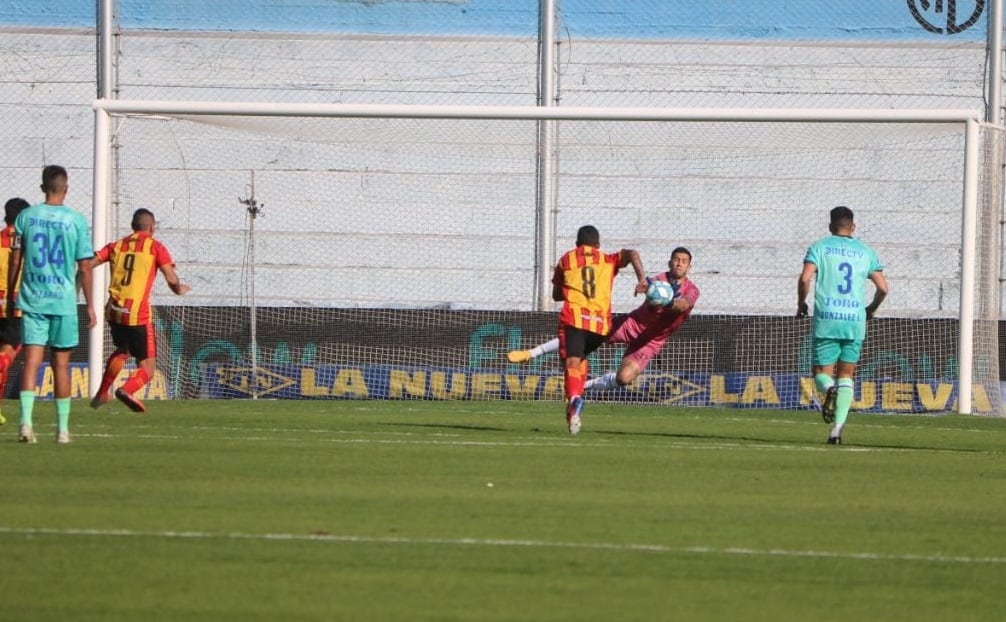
{"x": 607, "y": 381}
{"x": 545, "y": 348}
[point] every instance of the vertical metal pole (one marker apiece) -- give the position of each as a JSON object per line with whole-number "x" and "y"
{"x": 102, "y": 174}
{"x": 253, "y": 208}
{"x": 106, "y": 29}
{"x": 993, "y": 107}
{"x": 546, "y": 188}
{"x": 966, "y": 347}
{"x": 99, "y": 237}
{"x": 252, "y": 310}
{"x": 993, "y": 114}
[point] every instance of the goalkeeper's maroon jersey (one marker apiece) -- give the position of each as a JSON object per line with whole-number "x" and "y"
{"x": 660, "y": 322}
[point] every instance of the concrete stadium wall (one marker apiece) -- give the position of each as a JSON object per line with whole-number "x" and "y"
{"x": 808, "y": 61}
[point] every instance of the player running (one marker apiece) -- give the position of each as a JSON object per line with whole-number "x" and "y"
{"x": 134, "y": 261}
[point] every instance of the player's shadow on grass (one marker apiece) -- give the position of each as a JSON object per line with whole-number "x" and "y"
{"x": 686, "y": 435}
{"x": 446, "y": 426}
{"x": 797, "y": 441}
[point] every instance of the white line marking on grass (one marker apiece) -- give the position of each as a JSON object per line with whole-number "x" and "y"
{"x": 493, "y": 542}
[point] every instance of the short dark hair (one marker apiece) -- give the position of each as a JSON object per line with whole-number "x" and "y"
{"x": 841, "y": 216}
{"x": 588, "y": 235}
{"x": 53, "y": 178}
{"x": 12, "y": 208}
{"x": 138, "y": 215}
{"x": 682, "y": 249}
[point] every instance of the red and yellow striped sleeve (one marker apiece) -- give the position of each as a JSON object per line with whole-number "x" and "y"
{"x": 6, "y": 248}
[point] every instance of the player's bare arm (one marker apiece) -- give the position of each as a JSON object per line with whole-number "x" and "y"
{"x": 13, "y": 270}
{"x": 175, "y": 283}
{"x": 879, "y": 293}
{"x": 630, "y": 256}
{"x": 84, "y": 277}
{"x": 681, "y": 304}
{"x": 803, "y": 288}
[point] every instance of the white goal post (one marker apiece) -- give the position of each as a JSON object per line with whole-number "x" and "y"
{"x": 966, "y": 122}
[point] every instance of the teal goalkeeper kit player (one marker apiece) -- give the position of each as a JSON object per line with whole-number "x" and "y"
{"x": 53, "y": 239}
{"x": 844, "y": 265}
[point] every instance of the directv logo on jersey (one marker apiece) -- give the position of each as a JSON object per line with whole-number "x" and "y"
{"x": 49, "y": 224}
{"x": 842, "y": 252}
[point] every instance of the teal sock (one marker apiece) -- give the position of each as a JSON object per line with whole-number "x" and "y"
{"x": 27, "y": 406}
{"x": 843, "y": 401}
{"x": 823, "y": 382}
{"x": 62, "y": 414}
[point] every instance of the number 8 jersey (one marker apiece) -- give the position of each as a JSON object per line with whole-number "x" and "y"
{"x": 844, "y": 264}
{"x": 586, "y": 276}
{"x": 134, "y": 261}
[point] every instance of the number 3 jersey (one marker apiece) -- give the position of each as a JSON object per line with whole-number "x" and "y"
{"x": 52, "y": 239}
{"x": 844, "y": 264}
{"x": 586, "y": 276}
{"x": 134, "y": 261}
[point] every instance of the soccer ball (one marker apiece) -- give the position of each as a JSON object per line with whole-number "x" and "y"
{"x": 659, "y": 293}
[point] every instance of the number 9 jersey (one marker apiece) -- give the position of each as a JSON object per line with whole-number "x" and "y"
{"x": 134, "y": 261}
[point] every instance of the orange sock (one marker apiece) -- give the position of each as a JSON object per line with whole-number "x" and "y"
{"x": 5, "y": 362}
{"x": 136, "y": 381}
{"x": 573, "y": 381}
{"x": 112, "y": 369}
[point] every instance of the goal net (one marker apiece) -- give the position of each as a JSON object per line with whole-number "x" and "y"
{"x": 388, "y": 257}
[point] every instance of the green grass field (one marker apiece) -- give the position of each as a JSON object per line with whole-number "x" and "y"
{"x": 373, "y": 510}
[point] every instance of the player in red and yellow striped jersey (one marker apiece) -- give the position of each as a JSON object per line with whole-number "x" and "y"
{"x": 10, "y": 327}
{"x": 583, "y": 280}
{"x": 134, "y": 261}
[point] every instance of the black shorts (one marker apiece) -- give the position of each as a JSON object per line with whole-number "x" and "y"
{"x": 10, "y": 331}
{"x": 578, "y": 342}
{"x": 138, "y": 341}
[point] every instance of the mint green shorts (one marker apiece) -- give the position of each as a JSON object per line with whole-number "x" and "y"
{"x": 830, "y": 351}
{"x": 56, "y": 331}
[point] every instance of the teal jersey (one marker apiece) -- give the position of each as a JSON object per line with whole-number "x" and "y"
{"x": 844, "y": 265}
{"x": 53, "y": 238}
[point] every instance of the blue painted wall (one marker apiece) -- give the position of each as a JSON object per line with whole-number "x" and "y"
{"x": 884, "y": 20}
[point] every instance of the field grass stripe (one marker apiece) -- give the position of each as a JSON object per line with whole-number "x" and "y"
{"x": 491, "y": 542}
{"x": 559, "y": 441}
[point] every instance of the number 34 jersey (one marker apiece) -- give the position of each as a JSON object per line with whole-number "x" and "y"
{"x": 844, "y": 265}
{"x": 52, "y": 239}
{"x": 134, "y": 261}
